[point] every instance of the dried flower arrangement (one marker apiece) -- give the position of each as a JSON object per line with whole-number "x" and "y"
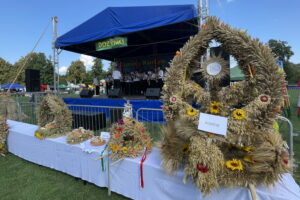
{"x": 79, "y": 135}
{"x": 252, "y": 152}
{"x": 128, "y": 139}
{"x": 55, "y": 119}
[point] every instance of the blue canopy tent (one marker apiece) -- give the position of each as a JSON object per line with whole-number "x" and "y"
{"x": 150, "y": 30}
{"x": 14, "y": 86}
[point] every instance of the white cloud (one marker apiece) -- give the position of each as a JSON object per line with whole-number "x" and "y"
{"x": 88, "y": 61}
{"x": 63, "y": 70}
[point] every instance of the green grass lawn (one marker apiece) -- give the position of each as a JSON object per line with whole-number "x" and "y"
{"x": 20, "y": 179}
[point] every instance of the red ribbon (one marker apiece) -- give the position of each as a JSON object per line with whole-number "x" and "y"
{"x": 141, "y": 168}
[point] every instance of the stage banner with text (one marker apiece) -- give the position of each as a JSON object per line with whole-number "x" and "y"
{"x": 111, "y": 43}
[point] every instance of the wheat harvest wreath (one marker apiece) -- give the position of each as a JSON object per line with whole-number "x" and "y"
{"x": 252, "y": 152}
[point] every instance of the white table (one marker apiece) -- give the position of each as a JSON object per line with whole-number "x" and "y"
{"x": 79, "y": 161}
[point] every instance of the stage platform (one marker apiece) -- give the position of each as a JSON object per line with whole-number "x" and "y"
{"x": 146, "y": 109}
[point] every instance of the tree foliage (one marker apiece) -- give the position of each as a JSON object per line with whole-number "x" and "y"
{"x": 284, "y": 52}
{"x": 76, "y": 72}
{"x": 36, "y": 61}
{"x": 97, "y": 68}
{"x": 281, "y": 49}
{"x": 7, "y": 71}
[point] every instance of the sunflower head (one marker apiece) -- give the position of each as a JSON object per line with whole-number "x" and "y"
{"x": 149, "y": 144}
{"x": 191, "y": 111}
{"x": 239, "y": 114}
{"x": 38, "y": 135}
{"x": 234, "y": 164}
{"x": 249, "y": 149}
{"x": 124, "y": 150}
{"x": 214, "y": 107}
{"x": 115, "y": 148}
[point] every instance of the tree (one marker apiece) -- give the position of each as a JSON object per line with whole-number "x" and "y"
{"x": 36, "y": 61}
{"x": 281, "y": 49}
{"x": 76, "y": 72}
{"x": 7, "y": 71}
{"x": 284, "y": 52}
{"x": 97, "y": 68}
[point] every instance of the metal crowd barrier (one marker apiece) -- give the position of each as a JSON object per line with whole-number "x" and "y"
{"x": 153, "y": 120}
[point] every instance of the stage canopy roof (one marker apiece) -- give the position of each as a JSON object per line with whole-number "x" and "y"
{"x": 150, "y": 30}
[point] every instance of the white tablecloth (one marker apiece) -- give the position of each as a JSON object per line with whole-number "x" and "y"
{"x": 79, "y": 161}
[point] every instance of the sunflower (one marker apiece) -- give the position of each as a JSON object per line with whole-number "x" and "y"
{"x": 38, "y": 135}
{"x": 239, "y": 114}
{"x": 214, "y": 107}
{"x": 249, "y": 149}
{"x": 191, "y": 111}
{"x": 139, "y": 146}
{"x": 149, "y": 144}
{"x": 185, "y": 148}
{"x": 234, "y": 164}
{"x": 124, "y": 150}
{"x": 115, "y": 148}
{"x": 196, "y": 86}
{"x": 248, "y": 158}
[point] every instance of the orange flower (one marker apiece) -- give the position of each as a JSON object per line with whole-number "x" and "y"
{"x": 145, "y": 137}
{"x": 131, "y": 149}
{"x": 117, "y": 135}
{"x": 178, "y": 53}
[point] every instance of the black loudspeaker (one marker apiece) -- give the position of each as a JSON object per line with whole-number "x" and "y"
{"x": 86, "y": 93}
{"x": 32, "y": 80}
{"x": 88, "y": 119}
{"x": 152, "y": 93}
{"x": 114, "y": 93}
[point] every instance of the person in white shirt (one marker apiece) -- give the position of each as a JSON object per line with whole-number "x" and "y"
{"x": 160, "y": 74}
{"x": 116, "y": 75}
{"x": 97, "y": 86}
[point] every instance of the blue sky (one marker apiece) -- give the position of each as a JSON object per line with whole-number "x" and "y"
{"x": 22, "y": 21}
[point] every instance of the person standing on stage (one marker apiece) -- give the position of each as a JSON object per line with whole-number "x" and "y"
{"x": 109, "y": 82}
{"x": 136, "y": 82}
{"x": 96, "y": 85}
{"x": 160, "y": 76}
{"x": 144, "y": 78}
{"x": 153, "y": 80}
{"x": 116, "y": 74}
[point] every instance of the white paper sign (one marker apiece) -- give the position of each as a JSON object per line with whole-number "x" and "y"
{"x": 105, "y": 136}
{"x": 213, "y": 124}
{"x": 213, "y": 68}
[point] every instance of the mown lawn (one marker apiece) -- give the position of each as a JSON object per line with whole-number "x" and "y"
{"x": 22, "y": 180}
